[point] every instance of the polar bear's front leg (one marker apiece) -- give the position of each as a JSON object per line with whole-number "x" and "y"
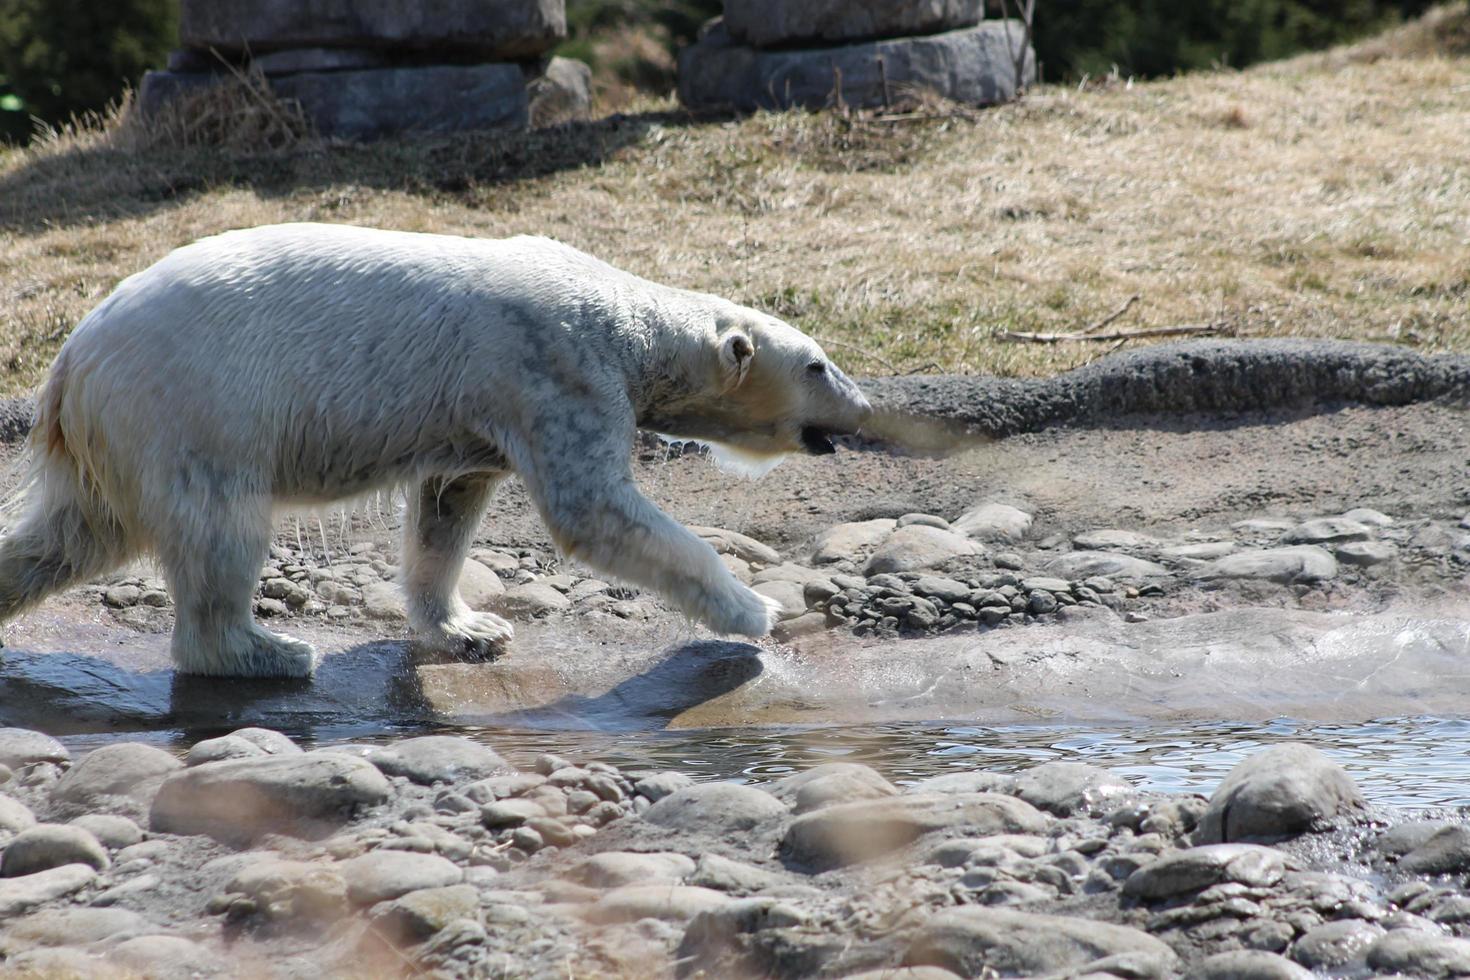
{"x": 578, "y": 473}
{"x": 443, "y": 515}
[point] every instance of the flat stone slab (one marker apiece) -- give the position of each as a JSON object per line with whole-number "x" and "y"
{"x": 494, "y": 28}
{"x": 971, "y": 65}
{"x": 766, "y": 23}
{"x": 373, "y": 103}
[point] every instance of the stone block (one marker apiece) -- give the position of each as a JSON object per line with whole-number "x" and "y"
{"x": 769, "y": 23}
{"x": 972, "y": 65}
{"x": 510, "y": 29}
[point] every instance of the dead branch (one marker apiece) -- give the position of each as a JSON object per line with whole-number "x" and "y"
{"x": 1112, "y": 316}
{"x": 1095, "y": 338}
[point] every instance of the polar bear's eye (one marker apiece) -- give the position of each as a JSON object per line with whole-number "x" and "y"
{"x": 816, "y": 367}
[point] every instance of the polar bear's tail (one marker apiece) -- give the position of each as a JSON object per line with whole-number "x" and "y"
{"x": 66, "y": 532}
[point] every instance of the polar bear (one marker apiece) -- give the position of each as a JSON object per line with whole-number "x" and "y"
{"x": 301, "y": 364}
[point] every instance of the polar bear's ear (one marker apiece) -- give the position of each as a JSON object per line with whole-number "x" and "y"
{"x": 736, "y": 353}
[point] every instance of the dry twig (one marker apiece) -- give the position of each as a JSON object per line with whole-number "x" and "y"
{"x": 1177, "y": 330}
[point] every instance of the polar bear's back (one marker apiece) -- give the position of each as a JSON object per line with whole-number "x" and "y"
{"x": 325, "y": 341}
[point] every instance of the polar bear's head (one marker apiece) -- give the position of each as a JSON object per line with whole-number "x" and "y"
{"x": 765, "y": 389}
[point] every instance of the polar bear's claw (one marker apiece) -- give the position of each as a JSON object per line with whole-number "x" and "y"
{"x": 471, "y": 636}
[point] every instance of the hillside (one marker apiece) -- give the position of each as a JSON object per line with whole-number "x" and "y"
{"x": 1323, "y": 196}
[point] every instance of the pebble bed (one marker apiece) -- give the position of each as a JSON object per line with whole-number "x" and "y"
{"x": 433, "y": 856}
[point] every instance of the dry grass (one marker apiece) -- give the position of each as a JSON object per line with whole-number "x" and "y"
{"x": 1326, "y": 196}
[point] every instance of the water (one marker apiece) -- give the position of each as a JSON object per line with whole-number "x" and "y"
{"x": 1414, "y": 763}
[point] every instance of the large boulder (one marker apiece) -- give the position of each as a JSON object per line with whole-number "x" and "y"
{"x": 119, "y": 778}
{"x": 764, "y": 23}
{"x": 487, "y": 28}
{"x": 1284, "y": 791}
{"x": 971, "y": 65}
{"x": 918, "y": 547}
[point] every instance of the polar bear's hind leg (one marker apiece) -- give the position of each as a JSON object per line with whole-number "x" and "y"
{"x": 443, "y": 516}
{"x": 212, "y": 551}
{"x": 58, "y": 542}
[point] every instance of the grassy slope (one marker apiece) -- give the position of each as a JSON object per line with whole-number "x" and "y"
{"x": 1323, "y": 196}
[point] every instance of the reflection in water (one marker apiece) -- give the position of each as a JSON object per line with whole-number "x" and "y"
{"x": 1405, "y": 762}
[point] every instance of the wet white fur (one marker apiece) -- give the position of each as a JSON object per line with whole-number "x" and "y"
{"x": 302, "y": 364}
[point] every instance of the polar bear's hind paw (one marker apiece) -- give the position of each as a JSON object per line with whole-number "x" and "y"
{"x": 471, "y": 637}
{"x": 743, "y": 613}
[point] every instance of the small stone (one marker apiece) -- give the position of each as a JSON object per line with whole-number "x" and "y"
{"x": 165, "y": 957}
{"x": 1010, "y": 560}
{"x": 21, "y": 747}
{"x": 655, "y": 787}
{"x": 846, "y": 833}
{"x": 1281, "y": 792}
{"x": 807, "y": 624}
{"x": 787, "y": 595}
{"x": 122, "y": 596}
{"x": 510, "y": 813}
{"x": 612, "y": 869}
{"x": 381, "y": 875}
{"x": 51, "y": 845}
{"x": 1337, "y": 947}
{"x": 1365, "y": 553}
{"x": 243, "y": 744}
{"x": 1042, "y": 583}
{"x": 988, "y": 942}
{"x": 1068, "y": 789}
{"x": 1247, "y": 964}
{"x": 561, "y": 94}
{"x": 1197, "y": 868}
{"x": 741, "y": 546}
{"x": 669, "y": 903}
{"x": 15, "y": 816}
{"x": 833, "y": 782}
{"x": 383, "y": 601}
{"x": 1077, "y": 565}
{"x": 20, "y": 894}
{"x": 75, "y": 926}
{"x": 121, "y": 778}
{"x": 419, "y": 914}
{"x": 431, "y": 759}
{"x": 723, "y": 874}
{"x": 478, "y": 586}
{"x": 1302, "y": 563}
{"x": 291, "y": 891}
{"x": 239, "y": 799}
{"x": 993, "y": 522}
{"x": 1203, "y": 551}
{"x": 929, "y": 520}
{"x": 1325, "y": 529}
{"x": 112, "y": 831}
{"x": 715, "y": 808}
{"x": 1447, "y": 851}
{"x": 944, "y": 589}
{"x": 851, "y": 542}
{"x": 1420, "y": 954}
{"x": 533, "y": 600}
{"x": 1040, "y": 602}
{"x": 917, "y": 547}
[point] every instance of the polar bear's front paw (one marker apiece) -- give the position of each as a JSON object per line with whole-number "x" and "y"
{"x": 742, "y": 611}
{"x": 470, "y": 636}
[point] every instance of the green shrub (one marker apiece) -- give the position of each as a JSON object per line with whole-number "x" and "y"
{"x": 63, "y": 57}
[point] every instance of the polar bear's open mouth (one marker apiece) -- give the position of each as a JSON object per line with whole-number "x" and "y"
{"x": 818, "y": 441}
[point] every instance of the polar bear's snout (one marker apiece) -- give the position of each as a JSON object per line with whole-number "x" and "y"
{"x": 837, "y": 408}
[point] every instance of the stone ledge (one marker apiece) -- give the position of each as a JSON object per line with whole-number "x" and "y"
{"x": 770, "y": 23}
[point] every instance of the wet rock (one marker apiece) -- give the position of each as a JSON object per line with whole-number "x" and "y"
{"x": 725, "y": 875}
{"x": 531, "y": 601}
{"x": 1326, "y": 529}
{"x": 15, "y": 816}
{"x": 715, "y": 808}
{"x": 767, "y": 23}
{"x": 243, "y": 744}
{"x": 1197, "y": 868}
{"x": 807, "y": 624}
{"x": 291, "y": 891}
{"x": 21, "y": 747}
{"x": 660, "y": 784}
{"x": 1337, "y": 947}
{"x": 420, "y": 914}
{"x": 612, "y": 869}
{"x": 993, "y": 522}
{"x": 834, "y": 782}
{"x": 1401, "y": 838}
{"x": 51, "y": 845}
{"x": 742, "y": 546}
{"x": 846, "y": 833}
{"x": 1070, "y": 788}
{"x": 917, "y": 547}
{"x": 1300, "y": 563}
{"x": 381, "y": 875}
{"x": 432, "y": 759}
{"x": 976, "y": 941}
{"x": 669, "y": 903}
{"x": 1420, "y": 954}
{"x": 1247, "y": 964}
{"x": 1284, "y": 791}
{"x": 17, "y": 895}
{"x": 121, "y": 778}
{"x": 978, "y": 781}
{"x": 1077, "y": 565}
{"x": 239, "y": 799}
{"x": 788, "y": 595}
{"x": 1447, "y": 851}
{"x": 851, "y": 542}
{"x": 166, "y": 957}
